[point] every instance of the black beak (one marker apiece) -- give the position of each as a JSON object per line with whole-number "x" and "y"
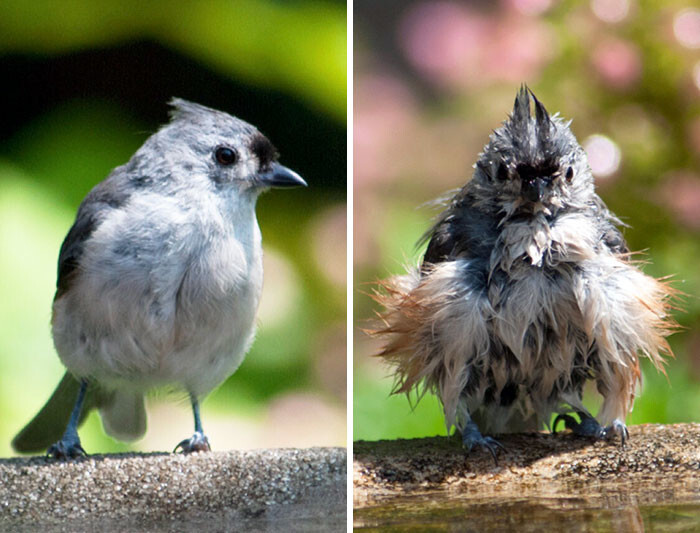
{"x": 280, "y": 176}
{"x": 533, "y": 190}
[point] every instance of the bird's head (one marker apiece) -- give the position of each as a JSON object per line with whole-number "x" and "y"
{"x": 532, "y": 164}
{"x": 217, "y": 149}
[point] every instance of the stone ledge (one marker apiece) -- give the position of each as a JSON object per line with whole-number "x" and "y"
{"x": 280, "y": 487}
{"x": 658, "y": 464}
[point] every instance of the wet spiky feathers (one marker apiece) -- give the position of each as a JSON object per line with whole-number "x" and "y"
{"x": 525, "y": 292}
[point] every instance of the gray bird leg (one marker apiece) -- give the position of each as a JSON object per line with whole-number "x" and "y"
{"x": 471, "y": 436}
{"x": 69, "y": 446}
{"x": 589, "y": 427}
{"x": 199, "y": 441}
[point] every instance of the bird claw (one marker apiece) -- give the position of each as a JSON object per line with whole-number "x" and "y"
{"x": 471, "y": 436}
{"x": 491, "y": 445}
{"x": 589, "y": 427}
{"x": 196, "y": 443}
{"x": 617, "y": 427}
{"x": 66, "y": 449}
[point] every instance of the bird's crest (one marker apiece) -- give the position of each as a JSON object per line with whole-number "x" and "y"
{"x": 532, "y": 140}
{"x": 182, "y": 108}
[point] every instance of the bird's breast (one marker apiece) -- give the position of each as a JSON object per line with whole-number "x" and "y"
{"x": 542, "y": 242}
{"x": 167, "y": 291}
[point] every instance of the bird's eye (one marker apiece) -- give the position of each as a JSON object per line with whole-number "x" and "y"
{"x": 569, "y": 173}
{"x": 225, "y": 155}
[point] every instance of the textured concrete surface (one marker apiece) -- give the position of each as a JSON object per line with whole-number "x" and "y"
{"x": 656, "y": 461}
{"x": 260, "y": 490}
{"x": 542, "y": 482}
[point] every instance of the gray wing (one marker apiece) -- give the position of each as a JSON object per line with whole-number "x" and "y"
{"x": 610, "y": 234}
{"x": 613, "y": 239}
{"x": 462, "y": 231}
{"x": 110, "y": 193}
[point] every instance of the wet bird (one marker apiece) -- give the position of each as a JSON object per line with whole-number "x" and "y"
{"x": 526, "y": 291}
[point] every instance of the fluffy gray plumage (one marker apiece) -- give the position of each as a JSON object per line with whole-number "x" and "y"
{"x": 526, "y": 291}
{"x": 160, "y": 276}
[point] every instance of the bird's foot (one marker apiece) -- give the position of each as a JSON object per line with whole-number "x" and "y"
{"x": 589, "y": 427}
{"x": 66, "y": 448}
{"x": 471, "y": 436}
{"x": 196, "y": 443}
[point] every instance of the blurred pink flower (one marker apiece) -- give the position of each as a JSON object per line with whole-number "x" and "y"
{"x": 383, "y": 106}
{"x": 686, "y": 27}
{"x": 680, "y": 193}
{"x": 443, "y": 40}
{"x": 618, "y": 63}
{"x": 611, "y": 10}
{"x": 603, "y": 154}
{"x": 530, "y": 7}
{"x": 365, "y": 245}
{"x": 455, "y": 46}
{"x": 517, "y": 50}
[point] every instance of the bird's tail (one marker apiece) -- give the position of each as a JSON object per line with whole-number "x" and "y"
{"x": 123, "y": 415}
{"x": 48, "y": 425}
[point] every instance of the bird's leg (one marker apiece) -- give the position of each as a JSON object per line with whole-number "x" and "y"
{"x": 589, "y": 427}
{"x": 471, "y": 436}
{"x": 617, "y": 389}
{"x": 199, "y": 441}
{"x": 69, "y": 446}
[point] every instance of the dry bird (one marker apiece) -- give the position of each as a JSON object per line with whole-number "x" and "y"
{"x": 159, "y": 278}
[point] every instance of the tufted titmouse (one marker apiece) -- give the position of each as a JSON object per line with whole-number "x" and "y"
{"x": 159, "y": 278}
{"x": 526, "y": 291}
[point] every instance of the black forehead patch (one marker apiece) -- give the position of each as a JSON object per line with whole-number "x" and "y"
{"x": 530, "y": 171}
{"x": 263, "y": 150}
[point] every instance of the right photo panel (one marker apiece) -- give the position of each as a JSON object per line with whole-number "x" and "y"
{"x": 526, "y": 249}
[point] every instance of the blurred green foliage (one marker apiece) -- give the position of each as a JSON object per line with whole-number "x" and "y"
{"x": 433, "y": 79}
{"x": 295, "y": 46}
{"x": 279, "y": 65}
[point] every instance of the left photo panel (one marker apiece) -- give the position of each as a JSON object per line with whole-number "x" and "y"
{"x": 173, "y": 279}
